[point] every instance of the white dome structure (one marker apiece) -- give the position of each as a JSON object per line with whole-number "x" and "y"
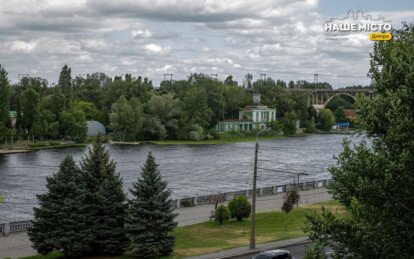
{"x": 95, "y": 128}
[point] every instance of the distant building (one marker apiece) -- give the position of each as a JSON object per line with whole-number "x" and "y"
{"x": 13, "y": 118}
{"x": 350, "y": 114}
{"x": 95, "y": 128}
{"x": 254, "y": 116}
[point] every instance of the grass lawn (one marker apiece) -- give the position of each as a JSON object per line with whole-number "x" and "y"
{"x": 210, "y": 236}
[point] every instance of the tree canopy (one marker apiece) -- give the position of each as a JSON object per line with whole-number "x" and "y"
{"x": 374, "y": 181}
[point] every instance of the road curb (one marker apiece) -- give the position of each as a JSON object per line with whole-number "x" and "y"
{"x": 227, "y": 254}
{"x": 260, "y": 250}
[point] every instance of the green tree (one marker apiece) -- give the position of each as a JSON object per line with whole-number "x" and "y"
{"x": 88, "y": 108}
{"x": 4, "y": 101}
{"x": 59, "y": 221}
{"x": 326, "y": 120}
{"x": 65, "y": 84}
{"x": 240, "y": 207}
{"x": 195, "y": 107}
{"x": 291, "y": 198}
{"x": 166, "y": 110}
{"x": 137, "y": 118}
{"x": 374, "y": 181}
{"x": 126, "y": 118}
{"x": 150, "y": 219}
{"x": 315, "y": 252}
{"x": 289, "y": 123}
{"x": 30, "y": 108}
{"x": 106, "y": 209}
{"x": 74, "y": 124}
{"x": 235, "y": 97}
{"x": 340, "y": 115}
{"x": 310, "y": 125}
{"x": 222, "y": 214}
{"x": 229, "y": 81}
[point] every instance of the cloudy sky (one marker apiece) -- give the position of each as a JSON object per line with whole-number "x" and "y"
{"x": 281, "y": 38}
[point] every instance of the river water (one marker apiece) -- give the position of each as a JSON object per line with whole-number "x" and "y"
{"x": 190, "y": 170}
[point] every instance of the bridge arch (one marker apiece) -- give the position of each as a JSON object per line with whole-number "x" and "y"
{"x": 338, "y": 94}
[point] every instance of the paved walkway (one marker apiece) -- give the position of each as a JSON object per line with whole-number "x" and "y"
{"x": 18, "y": 245}
{"x": 198, "y": 214}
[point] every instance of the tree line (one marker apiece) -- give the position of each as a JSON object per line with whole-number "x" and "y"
{"x": 132, "y": 109}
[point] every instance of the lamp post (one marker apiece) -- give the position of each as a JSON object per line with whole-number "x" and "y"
{"x": 253, "y": 225}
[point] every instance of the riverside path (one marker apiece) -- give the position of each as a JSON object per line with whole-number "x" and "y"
{"x": 18, "y": 245}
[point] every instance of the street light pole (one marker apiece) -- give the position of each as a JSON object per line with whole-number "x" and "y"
{"x": 253, "y": 225}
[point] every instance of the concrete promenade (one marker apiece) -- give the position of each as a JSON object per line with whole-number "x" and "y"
{"x": 18, "y": 245}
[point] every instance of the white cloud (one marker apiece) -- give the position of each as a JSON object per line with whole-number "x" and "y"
{"x": 143, "y": 33}
{"x": 154, "y": 48}
{"x": 22, "y": 46}
{"x": 155, "y": 36}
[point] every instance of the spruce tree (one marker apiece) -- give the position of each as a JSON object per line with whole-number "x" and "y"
{"x": 106, "y": 208}
{"x": 150, "y": 218}
{"x": 59, "y": 221}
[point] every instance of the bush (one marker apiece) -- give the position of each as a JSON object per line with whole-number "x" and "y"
{"x": 310, "y": 126}
{"x": 222, "y": 214}
{"x": 326, "y": 119}
{"x": 291, "y": 198}
{"x": 187, "y": 203}
{"x": 240, "y": 207}
{"x": 37, "y": 145}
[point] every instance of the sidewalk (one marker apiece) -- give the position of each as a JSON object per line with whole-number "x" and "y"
{"x": 245, "y": 250}
{"x": 18, "y": 245}
{"x": 198, "y": 214}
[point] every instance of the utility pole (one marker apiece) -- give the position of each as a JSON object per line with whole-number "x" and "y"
{"x": 315, "y": 80}
{"x": 253, "y": 226}
{"x": 168, "y": 75}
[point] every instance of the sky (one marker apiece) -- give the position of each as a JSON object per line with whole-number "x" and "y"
{"x": 284, "y": 39}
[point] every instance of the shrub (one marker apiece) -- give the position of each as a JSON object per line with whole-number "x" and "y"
{"x": 326, "y": 119}
{"x": 310, "y": 126}
{"x": 240, "y": 207}
{"x": 222, "y": 214}
{"x": 291, "y": 198}
{"x": 187, "y": 203}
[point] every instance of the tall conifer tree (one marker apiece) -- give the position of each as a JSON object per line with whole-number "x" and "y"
{"x": 106, "y": 201}
{"x": 65, "y": 84}
{"x": 150, "y": 218}
{"x": 59, "y": 221}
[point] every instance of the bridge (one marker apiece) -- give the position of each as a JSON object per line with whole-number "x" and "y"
{"x": 319, "y": 98}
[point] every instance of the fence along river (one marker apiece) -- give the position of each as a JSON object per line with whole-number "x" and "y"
{"x": 190, "y": 170}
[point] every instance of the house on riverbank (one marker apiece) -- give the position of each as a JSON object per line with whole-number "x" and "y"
{"x": 251, "y": 117}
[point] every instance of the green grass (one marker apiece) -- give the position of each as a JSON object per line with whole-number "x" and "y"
{"x": 211, "y": 237}
{"x": 52, "y": 255}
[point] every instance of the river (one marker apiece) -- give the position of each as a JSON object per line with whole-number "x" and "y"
{"x": 190, "y": 170}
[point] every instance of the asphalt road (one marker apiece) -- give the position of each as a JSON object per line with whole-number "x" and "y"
{"x": 296, "y": 251}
